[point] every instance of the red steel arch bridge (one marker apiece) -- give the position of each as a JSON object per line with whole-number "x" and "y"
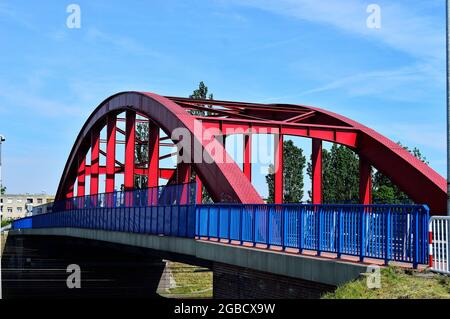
{"x": 222, "y": 177}
{"x": 198, "y": 128}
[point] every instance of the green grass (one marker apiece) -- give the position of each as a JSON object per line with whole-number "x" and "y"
{"x": 396, "y": 283}
{"x": 6, "y": 222}
{"x": 191, "y": 281}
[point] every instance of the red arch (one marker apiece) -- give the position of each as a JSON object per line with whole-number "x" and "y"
{"x": 219, "y": 178}
{"x": 227, "y": 181}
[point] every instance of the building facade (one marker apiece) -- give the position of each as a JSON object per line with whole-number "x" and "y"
{"x": 20, "y": 205}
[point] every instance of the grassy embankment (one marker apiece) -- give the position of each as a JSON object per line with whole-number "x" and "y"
{"x": 397, "y": 283}
{"x": 191, "y": 281}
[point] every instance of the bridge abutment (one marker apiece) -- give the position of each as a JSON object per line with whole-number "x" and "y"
{"x": 232, "y": 282}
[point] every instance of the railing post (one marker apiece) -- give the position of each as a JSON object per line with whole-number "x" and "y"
{"x": 241, "y": 224}
{"x": 197, "y": 220}
{"x": 362, "y": 234}
{"x": 267, "y": 227}
{"x": 207, "y": 223}
{"x": 339, "y": 233}
{"x": 387, "y": 237}
{"x": 318, "y": 228}
{"x": 229, "y": 224}
{"x": 283, "y": 231}
{"x": 254, "y": 225}
{"x": 171, "y": 219}
{"x": 300, "y": 229}
{"x": 218, "y": 224}
{"x": 178, "y": 220}
{"x": 416, "y": 239}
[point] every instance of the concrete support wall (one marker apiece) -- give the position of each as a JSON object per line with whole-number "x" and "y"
{"x": 231, "y": 282}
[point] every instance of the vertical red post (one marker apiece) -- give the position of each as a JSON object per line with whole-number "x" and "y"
{"x": 153, "y": 163}
{"x": 70, "y": 188}
{"x": 365, "y": 182}
{"x": 247, "y": 166}
{"x": 69, "y": 193}
{"x": 184, "y": 173}
{"x": 316, "y": 171}
{"x": 199, "y": 192}
{"x": 184, "y": 176}
{"x": 130, "y": 145}
{"x": 110, "y": 152}
{"x": 278, "y": 187}
{"x": 95, "y": 150}
{"x": 81, "y": 188}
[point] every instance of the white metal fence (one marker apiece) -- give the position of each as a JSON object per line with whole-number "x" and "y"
{"x": 439, "y": 230}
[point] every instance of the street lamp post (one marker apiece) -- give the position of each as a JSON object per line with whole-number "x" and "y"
{"x": 448, "y": 104}
{"x": 2, "y": 139}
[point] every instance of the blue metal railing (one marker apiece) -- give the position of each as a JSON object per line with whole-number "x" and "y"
{"x": 389, "y": 232}
{"x": 177, "y": 194}
{"x": 169, "y": 220}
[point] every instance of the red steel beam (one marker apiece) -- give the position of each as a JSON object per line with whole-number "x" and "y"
{"x": 95, "y": 161}
{"x": 69, "y": 191}
{"x": 183, "y": 177}
{"x": 81, "y": 185}
{"x": 365, "y": 181}
{"x": 247, "y": 165}
{"x": 110, "y": 152}
{"x": 153, "y": 155}
{"x": 199, "y": 191}
{"x": 130, "y": 143}
{"x": 316, "y": 171}
{"x": 278, "y": 187}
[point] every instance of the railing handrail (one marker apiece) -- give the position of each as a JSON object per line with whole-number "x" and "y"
{"x": 386, "y": 232}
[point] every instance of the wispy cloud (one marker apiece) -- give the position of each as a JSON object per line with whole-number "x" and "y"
{"x": 33, "y": 102}
{"x": 402, "y": 28}
{"x": 125, "y": 43}
{"x": 18, "y": 17}
{"x": 401, "y": 81}
{"x": 418, "y": 135}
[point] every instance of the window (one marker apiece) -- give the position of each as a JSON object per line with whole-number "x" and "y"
{"x": 19, "y": 200}
{"x": 29, "y": 201}
{"x": 19, "y": 209}
{"x": 39, "y": 200}
{"x": 9, "y": 210}
{"x": 9, "y": 201}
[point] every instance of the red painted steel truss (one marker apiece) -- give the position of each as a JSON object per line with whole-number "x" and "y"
{"x": 221, "y": 176}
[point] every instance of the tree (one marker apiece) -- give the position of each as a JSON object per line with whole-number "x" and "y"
{"x": 2, "y": 190}
{"x": 384, "y": 191}
{"x": 141, "y": 153}
{"x": 202, "y": 94}
{"x": 340, "y": 175}
{"x": 294, "y": 163}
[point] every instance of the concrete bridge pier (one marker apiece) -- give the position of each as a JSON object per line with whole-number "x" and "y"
{"x": 232, "y": 282}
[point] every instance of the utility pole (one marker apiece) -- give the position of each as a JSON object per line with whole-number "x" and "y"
{"x": 448, "y": 104}
{"x": 2, "y": 139}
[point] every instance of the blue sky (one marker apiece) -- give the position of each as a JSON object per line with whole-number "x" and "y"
{"x": 292, "y": 51}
